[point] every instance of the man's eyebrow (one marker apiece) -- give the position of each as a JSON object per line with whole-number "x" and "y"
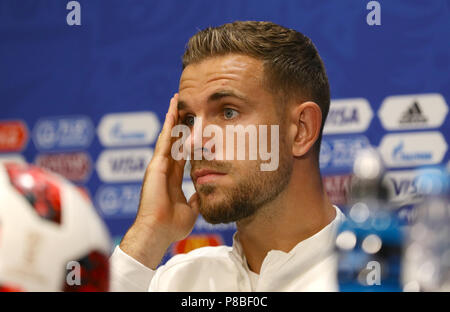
{"x": 226, "y": 93}
{"x": 182, "y": 105}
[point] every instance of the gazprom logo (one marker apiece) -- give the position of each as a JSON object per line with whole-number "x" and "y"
{"x": 399, "y": 154}
{"x": 128, "y": 129}
{"x": 118, "y": 132}
{"x": 413, "y": 149}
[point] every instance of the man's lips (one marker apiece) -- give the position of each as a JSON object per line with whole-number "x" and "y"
{"x": 201, "y": 176}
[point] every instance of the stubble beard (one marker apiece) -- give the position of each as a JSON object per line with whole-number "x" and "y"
{"x": 253, "y": 189}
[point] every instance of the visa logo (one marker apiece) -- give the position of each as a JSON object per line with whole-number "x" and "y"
{"x": 348, "y": 116}
{"x": 123, "y": 165}
{"x": 343, "y": 116}
{"x": 404, "y": 186}
{"x": 409, "y": 186}
{"x": 128, "y": 165}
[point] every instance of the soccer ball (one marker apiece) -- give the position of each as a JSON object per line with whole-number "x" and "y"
{"x": 51, "y": 238}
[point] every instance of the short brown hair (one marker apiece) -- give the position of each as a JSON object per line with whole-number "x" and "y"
{"x": 292, "y": 65}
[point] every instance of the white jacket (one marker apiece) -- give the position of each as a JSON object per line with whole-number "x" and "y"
{"x": 310, "y": 266}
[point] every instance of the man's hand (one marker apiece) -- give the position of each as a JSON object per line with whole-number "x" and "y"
{"x": 164, "y": 215}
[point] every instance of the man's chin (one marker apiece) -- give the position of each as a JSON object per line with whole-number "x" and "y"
{"x": 211, "y": 195}
{"x": 216, "y": 217}
{"x": 212, "y": 206}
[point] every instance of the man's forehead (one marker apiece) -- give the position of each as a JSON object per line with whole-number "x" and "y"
{"x": 233, "y": 67}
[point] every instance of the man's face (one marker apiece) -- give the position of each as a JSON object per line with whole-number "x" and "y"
{"x": 228, "y": 90}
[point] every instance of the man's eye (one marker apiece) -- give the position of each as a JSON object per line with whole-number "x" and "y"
{"x": 189, "y": 120}
{"x": 229, "y": 113}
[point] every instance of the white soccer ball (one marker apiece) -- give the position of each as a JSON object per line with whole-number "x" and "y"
{"x": 51, "y": 238}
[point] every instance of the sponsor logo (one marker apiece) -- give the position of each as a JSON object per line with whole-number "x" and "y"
{"x": 348, "y": 116}
{"x": 123, "y": 165}
{"x": 406, "y": 187}
{"x": 339, "y": 154}
{"x": 413, "y": 149}
{"x": 13, "y": 136}
{"x": 63, "y": 133}
{"x": 413, "y": 115}
{"x": 400, "y": 154}
{"x": 420, "y": 111}
{"x": 338, "y": 188}
{"x": 195, "y": 241}
{"x": 118, "y": 200}
{"x": 73, "y": 166}
{"x": 127, "y": 129}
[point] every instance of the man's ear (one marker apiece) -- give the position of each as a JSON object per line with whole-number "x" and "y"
{"x": 308, "y": 119}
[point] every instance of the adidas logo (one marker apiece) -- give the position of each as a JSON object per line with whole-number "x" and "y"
{"x": 413, "y": 115}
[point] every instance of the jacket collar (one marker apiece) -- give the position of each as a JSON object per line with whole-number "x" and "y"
{"x": 305, "y": 252}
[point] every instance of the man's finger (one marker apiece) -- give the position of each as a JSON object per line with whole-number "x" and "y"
{"x": 173, "y": 107}
{"x": 179, "y": 170}
{"x": 194, "y": 203}
{"x": 164, "y": 140}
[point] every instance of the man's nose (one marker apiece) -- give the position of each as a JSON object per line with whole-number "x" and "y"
{"x": 196, "y": 139}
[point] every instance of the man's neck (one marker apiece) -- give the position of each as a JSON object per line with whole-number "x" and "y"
{"x": 299, "y": 212}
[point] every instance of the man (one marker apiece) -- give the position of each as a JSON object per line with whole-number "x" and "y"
{"x": 246, "y": 73}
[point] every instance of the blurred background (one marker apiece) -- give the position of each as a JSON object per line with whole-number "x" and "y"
{"x": 88, "y": 101}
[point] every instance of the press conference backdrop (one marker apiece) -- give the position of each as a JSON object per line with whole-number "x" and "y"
{"x": 88, "y": 101}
